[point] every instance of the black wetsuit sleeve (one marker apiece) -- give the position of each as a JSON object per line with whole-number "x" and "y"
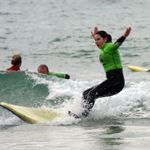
{"x": 119, "y": 41}
{"x": 67, "y": 76}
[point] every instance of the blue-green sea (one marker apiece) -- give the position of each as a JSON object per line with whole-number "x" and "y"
{"x": 58, "y": 33}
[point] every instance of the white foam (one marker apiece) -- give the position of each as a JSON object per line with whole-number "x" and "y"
{"x": 132, "y": 102}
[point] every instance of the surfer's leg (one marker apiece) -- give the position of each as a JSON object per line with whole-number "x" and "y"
{"x": 85, "y": 93}
{"x": 109, "y": 87}
{"x": 102, "y": 90}
{"x": 89, "y": 96}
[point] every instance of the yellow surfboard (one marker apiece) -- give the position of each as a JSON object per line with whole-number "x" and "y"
{"x": 32, "y": 115}
{"x": 135, "y": 68}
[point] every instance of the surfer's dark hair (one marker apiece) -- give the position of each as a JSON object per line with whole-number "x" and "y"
{"x": 104, "y": 34}
{"x": 43, "y": 66}
{"x": 16, "y": 59}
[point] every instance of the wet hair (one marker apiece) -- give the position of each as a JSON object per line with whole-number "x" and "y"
{"x": 16, "y": 59}
{"x": 43, "y": 66}
{"x": 104, "y": 34}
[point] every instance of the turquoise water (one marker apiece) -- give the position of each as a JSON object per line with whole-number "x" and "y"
{"x": 58, "y": 33}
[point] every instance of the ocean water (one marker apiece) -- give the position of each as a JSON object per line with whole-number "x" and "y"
{"x": 58, "y": 34}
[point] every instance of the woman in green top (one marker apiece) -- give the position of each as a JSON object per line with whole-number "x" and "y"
{"x": 44, "y": 70}
{"x": 110, "y": 58}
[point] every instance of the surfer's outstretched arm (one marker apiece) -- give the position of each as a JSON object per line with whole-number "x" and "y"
{"x": 119, "y": 42}
{"x": 95, "y": 31}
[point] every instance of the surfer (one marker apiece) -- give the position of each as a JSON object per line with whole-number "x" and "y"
{"x": 110, "y": 59}
{"x": 43, "y": 69}
{"x": 16, "y": 61}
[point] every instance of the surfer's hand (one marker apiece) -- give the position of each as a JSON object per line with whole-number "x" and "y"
{"x": 127, "y": 32}
{"x": 95, "y": 31}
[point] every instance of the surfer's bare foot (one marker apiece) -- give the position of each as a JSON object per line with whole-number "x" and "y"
{"x": 84, "y": 114}
{"x": 74, "y": 115}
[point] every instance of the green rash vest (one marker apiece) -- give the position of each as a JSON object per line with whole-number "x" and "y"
{"x": 109, "y": 57}
{"x": 59, "y": 75}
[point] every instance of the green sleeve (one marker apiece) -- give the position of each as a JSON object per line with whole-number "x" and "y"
{"x": 110, "y": 48}
{"x": 59, "y": 75}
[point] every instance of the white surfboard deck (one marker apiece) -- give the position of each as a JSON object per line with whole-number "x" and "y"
{"x": 32, "y": 115}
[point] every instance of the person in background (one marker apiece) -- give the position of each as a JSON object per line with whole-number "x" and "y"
{"x": 16, "y": 62}
{"x": 43, "y": 69}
